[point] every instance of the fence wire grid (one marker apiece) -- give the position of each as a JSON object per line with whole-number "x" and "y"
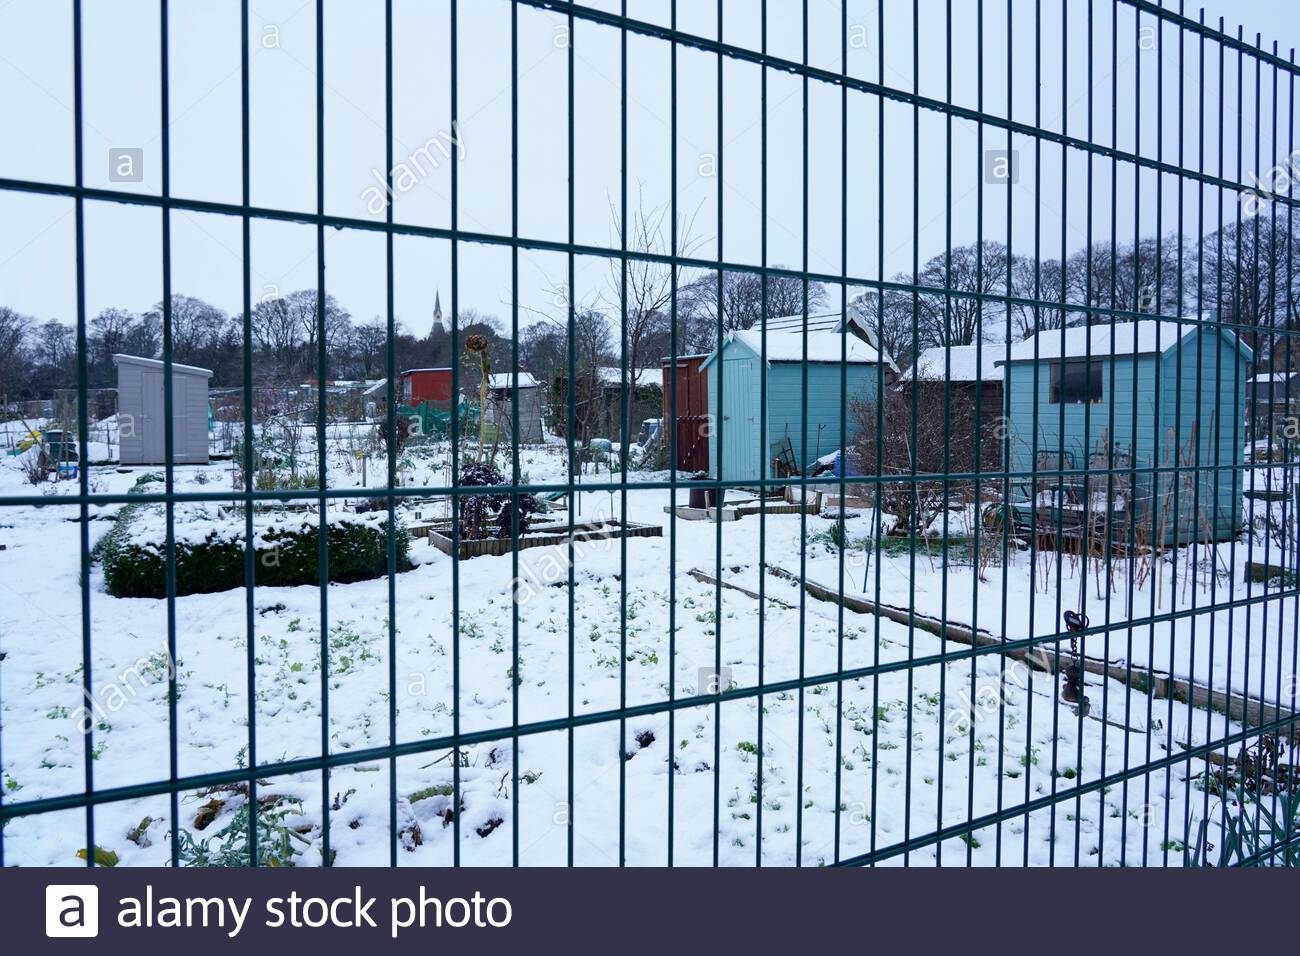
{"x": 993, "y": 561}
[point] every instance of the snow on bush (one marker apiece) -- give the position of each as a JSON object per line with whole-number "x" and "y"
{"x": 209, "y": 547}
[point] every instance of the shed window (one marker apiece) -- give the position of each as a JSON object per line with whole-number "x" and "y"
{"x": 1075, "y": 382}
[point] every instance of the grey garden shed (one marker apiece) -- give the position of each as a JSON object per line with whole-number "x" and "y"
{"x": 503, "y": 389}
{"x": 141, "y": 417}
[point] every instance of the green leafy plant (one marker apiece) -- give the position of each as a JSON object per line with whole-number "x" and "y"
{"x": 277, "y": 842}
{"x": 833, "y": 537}
{"x": 1260, "y": 831}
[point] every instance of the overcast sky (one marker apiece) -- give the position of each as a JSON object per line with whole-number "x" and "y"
{"x": 121, "y": 78}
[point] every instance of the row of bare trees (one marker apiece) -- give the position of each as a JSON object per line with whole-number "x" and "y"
{"x": 39, "y": 357}
{"x": 1246, "y": 272}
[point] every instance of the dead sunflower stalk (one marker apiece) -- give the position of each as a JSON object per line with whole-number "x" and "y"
{"x": 478, "y": 345}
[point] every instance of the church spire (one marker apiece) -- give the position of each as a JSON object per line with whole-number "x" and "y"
{"x": 437, "y": 309}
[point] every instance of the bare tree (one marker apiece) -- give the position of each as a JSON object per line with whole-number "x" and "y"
{"x": 889, "y": 315}
{"x": 983, "y": 269}
{"x": 921, "y": 445}
{"x": 303, "y": 304}
{"x": 641, "y": 292}
{"x": 195, "y": 325}
{"x": 367, "y": 345}
{"x": 1126, "y": 277}
{"x": 276, "y": 331}
{"x": 145, "y": 336}
{"x": 1248, "y": 276}
{"x": 286, "y": 328}
{"x": 55, "y": 354}
{"x": 742, "y": 300}
{"x": 108, "y": 332}
{"x": 1038, "y": 281}
{"x": 15, "y": 328}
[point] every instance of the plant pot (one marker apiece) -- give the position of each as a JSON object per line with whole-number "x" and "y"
{"x": 703, "y": 497}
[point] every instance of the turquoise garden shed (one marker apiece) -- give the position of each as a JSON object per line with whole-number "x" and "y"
{"x": 1138, "y": 397}
{"x": 831, "y": 360}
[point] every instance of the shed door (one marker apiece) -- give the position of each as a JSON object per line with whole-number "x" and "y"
{"x": 151, "y": 433}
{"x": 182, "y": 419}
{"x": 740, "y": 423}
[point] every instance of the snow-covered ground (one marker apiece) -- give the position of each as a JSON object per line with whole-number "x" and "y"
{"x": 915, "y": 748}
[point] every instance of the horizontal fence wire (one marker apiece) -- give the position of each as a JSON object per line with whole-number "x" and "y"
{"x": 1122, "y": 463}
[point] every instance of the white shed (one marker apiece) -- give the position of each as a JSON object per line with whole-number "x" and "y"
{"x": 141, "y": 417}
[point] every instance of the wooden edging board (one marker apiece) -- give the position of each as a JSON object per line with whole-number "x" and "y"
{"x": 542, "y": 536}
{"x": 1240, "y": 707}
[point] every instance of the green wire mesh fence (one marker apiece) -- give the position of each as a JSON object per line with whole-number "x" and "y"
{"x": 914, "y": 484}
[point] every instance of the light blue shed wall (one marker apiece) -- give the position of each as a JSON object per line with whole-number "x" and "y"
{"x": 1037, "y": 425}
{"x": 743, "y": 458}
{"x": 826, "y": 395}
{"x": 1138, "y": 412}
{"x": 1203, "y": 396}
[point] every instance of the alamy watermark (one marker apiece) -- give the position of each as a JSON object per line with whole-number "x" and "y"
{"x": 1276, "y": 181}
{"x": 125, "y": 164}
{"x": 407, "y": 174}
{"x": 123, "y": 689}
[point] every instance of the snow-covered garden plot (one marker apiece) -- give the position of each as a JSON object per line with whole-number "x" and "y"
{"x": 1212, "y": 624}
{"x": 917, "y": 748}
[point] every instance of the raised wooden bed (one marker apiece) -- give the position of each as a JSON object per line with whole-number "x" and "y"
{"x": 687, "y": 513}
{"x": 418, "y": 529}
{"x": 1259, "y": 571}
{"x": 833, "y": 501}
{"x": 542, "y": 536}
{"x": 734, "y": 511}
{"x": 1267, "y": 494}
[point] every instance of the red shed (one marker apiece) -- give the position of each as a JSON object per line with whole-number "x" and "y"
{"x": 425, "y": 385}
{"x": 691, "y": 386}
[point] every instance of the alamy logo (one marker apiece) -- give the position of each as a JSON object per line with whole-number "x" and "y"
{"x": 71, "y": 911}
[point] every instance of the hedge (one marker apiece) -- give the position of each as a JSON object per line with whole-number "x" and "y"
{"x": 210, "y": 550}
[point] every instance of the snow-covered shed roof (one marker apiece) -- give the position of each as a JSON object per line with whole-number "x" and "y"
{"x": 821, "y": 347}
{"x": 501, "y": 380}
{"x": 820, "y": 322}
{"x": 959, "y": 363}
{"x": 120, "y": 359}
{"x": 1144, "y": 337}
{"x": 823, "y": 322}
{"x": 613, "y": 375}
{"x": 1273, "y": 388}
